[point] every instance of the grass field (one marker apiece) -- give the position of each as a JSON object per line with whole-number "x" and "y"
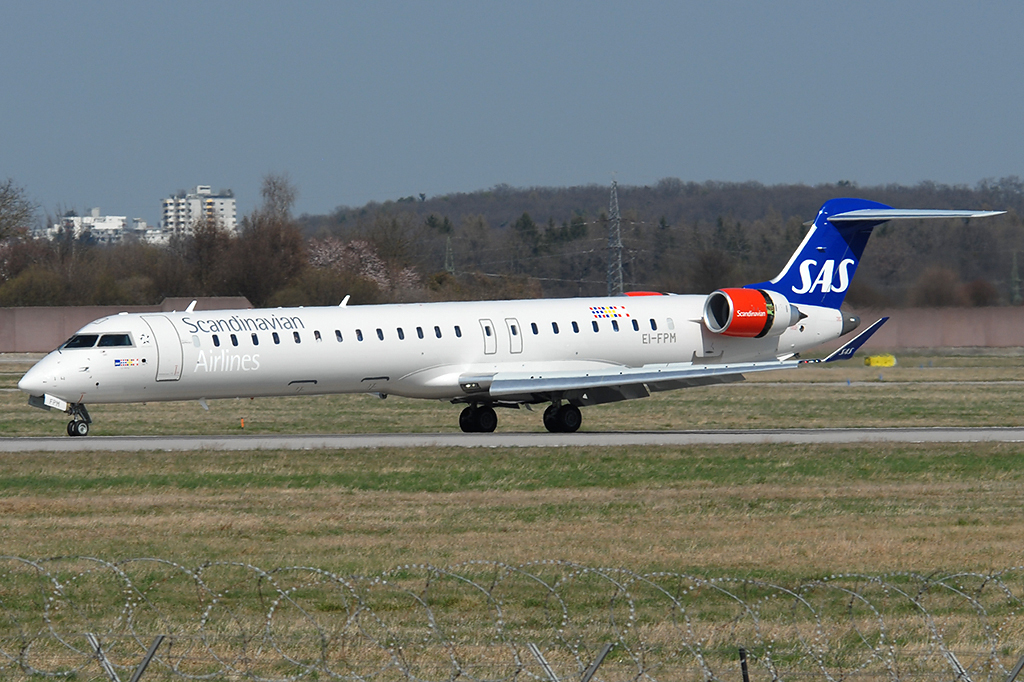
{"x": 779, "y": 510}
{"x": 782, "y": 513}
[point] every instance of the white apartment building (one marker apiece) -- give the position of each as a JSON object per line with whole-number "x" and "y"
{"x": 183, "y": 209}
{"x": 103, "y": 229}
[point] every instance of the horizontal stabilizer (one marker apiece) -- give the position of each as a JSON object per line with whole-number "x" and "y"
{"x": 881, "y": 214}
{"x": 851, "y": 346}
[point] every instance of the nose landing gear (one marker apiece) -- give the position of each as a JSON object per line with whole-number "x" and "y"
{"x": 78, "y": 428}
{"x": 79, "y": 425}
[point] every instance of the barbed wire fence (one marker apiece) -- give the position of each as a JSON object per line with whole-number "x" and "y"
{"x": 88, "y": 619}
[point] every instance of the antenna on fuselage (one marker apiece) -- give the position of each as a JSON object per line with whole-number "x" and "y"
{"x": 191, "y": 306}
{"x": 344, "y": 301}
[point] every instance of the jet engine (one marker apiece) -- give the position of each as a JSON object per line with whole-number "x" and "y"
{"x": 750, "y": 313}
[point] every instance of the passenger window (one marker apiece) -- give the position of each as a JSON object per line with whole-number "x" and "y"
{"x": 636, "y": 326}
{"x": 596, "y": 328}
{"x": 295, "y": 335}
{"x": 81, "y": 341}
{"x": 533, "y": 327}
{"x": 277, "y": 339}
{"x": 195, "y": 341}
{"x": 575, "y": 327}
{"x": 515, "y": 332}
{"x": 670, "y": 323}
{"x": 316, "y": 335}
{"x": 380, "y": 333}
{"x": 216, "y": 341}
{"x": 337, "y": 335}
{"x": 437, "y": 331}
{"x": 487, "y": 330}
{"x": 615, "y": 325}
{"x": 234, "y": 340}
{"x": 554, "y": 327}
{"x": 401, "y": 334}
{"x": 458, "y": 332}
{"x": 255, "y": 339}
{"x": 419, "y": 332}
{"x": 115, "y": 340}
{"x": 359, "y": 335}
{"x": 654, "y": 325}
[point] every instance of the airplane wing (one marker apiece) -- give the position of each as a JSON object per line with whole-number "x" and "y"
{"x": 612, "y": 384}
{"x": 623, "y": 383}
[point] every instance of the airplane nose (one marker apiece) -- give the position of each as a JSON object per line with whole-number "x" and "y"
{"x": 33, "y": 382}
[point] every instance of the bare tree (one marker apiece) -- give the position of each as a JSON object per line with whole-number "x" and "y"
{"x": 269, "y": 252}
{"x": 279, "y": 196}
{"x": 16, "y": 211}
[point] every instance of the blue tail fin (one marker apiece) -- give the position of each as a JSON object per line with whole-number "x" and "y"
{"x": 820, "y": 271}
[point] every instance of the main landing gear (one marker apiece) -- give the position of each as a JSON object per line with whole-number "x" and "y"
{"x": 557, "y": 419}
{"x": 562, "y": 418}
{"x": 478, "y": 419}
{"x": 79, "y": 424}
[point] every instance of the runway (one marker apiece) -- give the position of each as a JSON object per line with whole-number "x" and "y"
{"x": 510, "y": 440}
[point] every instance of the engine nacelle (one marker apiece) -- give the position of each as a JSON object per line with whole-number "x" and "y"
{"x": 750, "y": 313}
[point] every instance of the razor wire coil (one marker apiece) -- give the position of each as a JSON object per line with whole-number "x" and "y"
{"x": 474, "y": 621}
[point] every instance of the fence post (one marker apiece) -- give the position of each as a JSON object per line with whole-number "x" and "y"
{"x": 543, "y": 662}
{"x": 98, "y": 650}
{"x": 1016, "y": 670}
{"x": 149, "y": 657}
{"x": 597, "y": 662}
{"x": 743, "y": 664}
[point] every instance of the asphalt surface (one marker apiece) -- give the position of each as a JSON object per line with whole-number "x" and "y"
{"x": 515, "y": 440}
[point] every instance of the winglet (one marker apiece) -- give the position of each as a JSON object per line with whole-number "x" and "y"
{"x": 851, "y": 346}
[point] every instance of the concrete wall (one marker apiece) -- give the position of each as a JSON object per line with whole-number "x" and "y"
{"x": 1001, "y": 327}
{"x": 41, "y": 329}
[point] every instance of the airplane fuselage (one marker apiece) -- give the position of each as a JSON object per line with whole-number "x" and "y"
{"x": 416, "y": 350}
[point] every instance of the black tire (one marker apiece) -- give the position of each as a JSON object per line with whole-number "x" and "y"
{"x": 467, "y": 420}
{"x": 81, "y": 428}
{"x": 551, "y": 419}
{"x": 569, "y": 418}
{"x": 486, "y": 419}
{"x": 71, "y": 429}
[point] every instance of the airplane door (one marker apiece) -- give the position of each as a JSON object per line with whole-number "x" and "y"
{"x": 168, "y": 347}
{"x": 490, "y": 337}
{"x": 515, "y": 335}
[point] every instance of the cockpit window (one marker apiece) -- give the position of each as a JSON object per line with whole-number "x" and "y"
{"x": 115, "y": 340}
{"x": 81, "y": 341}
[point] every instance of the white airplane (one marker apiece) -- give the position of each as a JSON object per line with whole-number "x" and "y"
{"x": 568, "y": 353}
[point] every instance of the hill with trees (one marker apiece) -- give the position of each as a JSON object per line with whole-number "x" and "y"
{"x": 681, "y": 237}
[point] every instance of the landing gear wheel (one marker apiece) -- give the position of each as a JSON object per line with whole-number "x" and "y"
{"x": 71, "y": 428}
{"x": 78, "y": 428}
{"x": 569, "y": 418}
{"x": 475, "y": 419}
{"x": 467, "y": 419}
{"x": 486, "y": 419}
{"x": 551, "y": 418}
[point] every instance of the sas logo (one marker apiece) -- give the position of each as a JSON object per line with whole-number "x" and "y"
{"x": 825, "y": 279}
{"x": 608, "y": 311}
{"x": 132, "y": 362}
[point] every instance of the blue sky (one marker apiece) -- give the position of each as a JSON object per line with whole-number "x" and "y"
{"x": 118, "y": 104}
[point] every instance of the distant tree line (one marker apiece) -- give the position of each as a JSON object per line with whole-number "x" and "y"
{"x": 508, "y": 243}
